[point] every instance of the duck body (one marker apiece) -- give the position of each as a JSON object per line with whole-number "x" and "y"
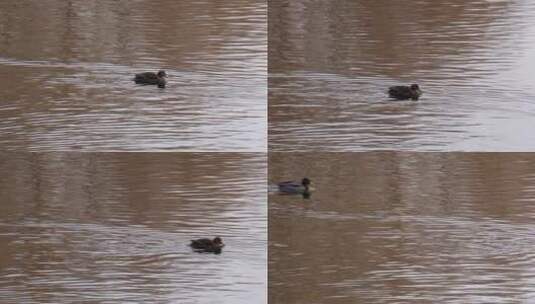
{"x": 292, "y": 187}
{"x": 151, "y": 78}
{"x": 208, "y": 245}
{"x": 405, "y": 92}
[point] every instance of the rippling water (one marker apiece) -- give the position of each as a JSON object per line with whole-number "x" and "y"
{"x": 331, "y": 62}
{"x": 67, "y": 70}
{"x": 114, "y": 227}
{"x": 404, "y": 228}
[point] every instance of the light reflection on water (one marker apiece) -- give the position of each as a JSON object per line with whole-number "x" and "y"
{"x": 403, "y": 227}
{"x": 112, "y": 227}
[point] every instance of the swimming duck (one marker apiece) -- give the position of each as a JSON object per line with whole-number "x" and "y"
{"x": 292, "y": 187}
{"x": 208, "y": 245}
{"x": 405, "y": 92}
{"x": 151, "y": 78}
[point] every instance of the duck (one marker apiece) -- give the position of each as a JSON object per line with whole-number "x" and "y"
{"x": 405, "y": 92}
{"x": 208, "y": 245}
{"x": 152, "y": 78}
{"x": 292, "y": 187}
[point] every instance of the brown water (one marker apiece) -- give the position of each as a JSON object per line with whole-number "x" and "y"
{"x": 331, "y": 62}
{"x": 403, "y": 228}
{"x": 67, "y": 70}
{"x": 115, "y": 227}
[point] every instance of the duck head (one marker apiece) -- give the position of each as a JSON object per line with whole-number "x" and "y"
{"x": 305, "y": 182}
{"x": 415, "y": 90}
{"x": 218, "y": 242}
{"x": 161, "y": 79}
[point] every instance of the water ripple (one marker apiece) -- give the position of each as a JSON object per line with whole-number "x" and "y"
{"x": 331, "y": 64}
{"x": 72, "y": 88}
{"x": 72, "y": 223}
{"x": 399, "y": 227}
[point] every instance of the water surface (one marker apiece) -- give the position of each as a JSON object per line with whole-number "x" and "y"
{"x": 403, "y": 228}
{"x": 115, "y": 227}
{"x": 331, "y": 62}
{"x": 67, "y": 70}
